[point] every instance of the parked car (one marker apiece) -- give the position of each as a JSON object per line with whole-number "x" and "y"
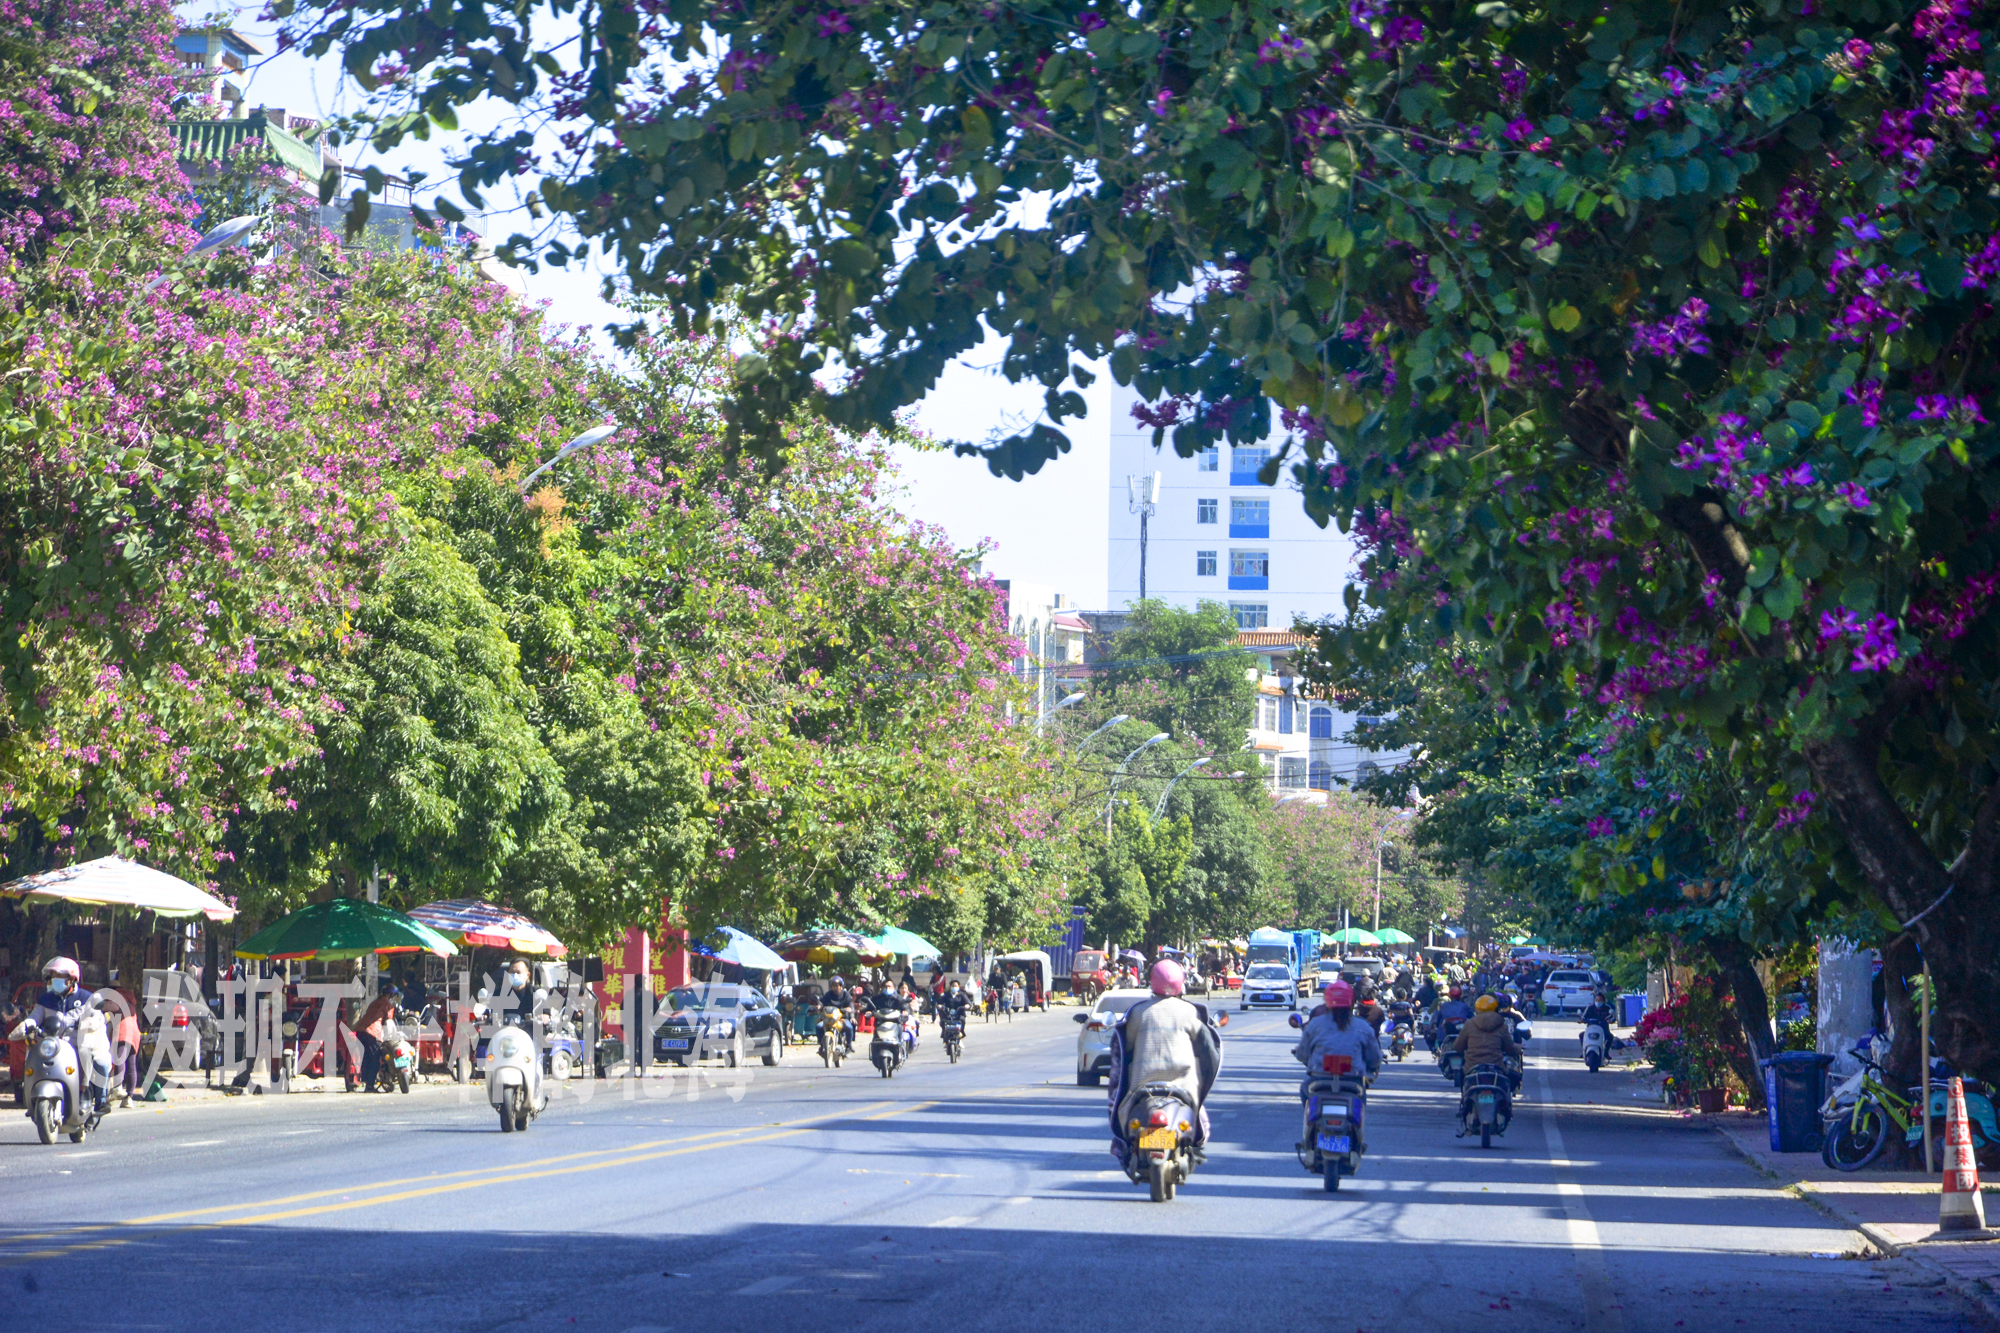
{"x": 1093, "y": 1044}
{"x": 1568, "y": 989}
{"x": 719, "y": 1020}
{"x": 1269, "y": 986}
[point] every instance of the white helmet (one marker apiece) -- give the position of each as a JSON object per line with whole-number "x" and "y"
{"x": 60, "y": 966}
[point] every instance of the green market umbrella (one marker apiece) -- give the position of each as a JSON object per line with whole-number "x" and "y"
{"x": 344, "y": 928}
{"x": 1354, "y": 935}
{"x": 1393, "y": 936}
{"x": 906, "y": 943}
{"x": 1518, "y": 939}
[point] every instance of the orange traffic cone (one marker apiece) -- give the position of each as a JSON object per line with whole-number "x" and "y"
{"x": 1959, "y": 1205}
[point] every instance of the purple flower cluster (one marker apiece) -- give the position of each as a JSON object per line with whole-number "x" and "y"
{"x": 1875, "y": 638}
{"x": 1685, "y": 332}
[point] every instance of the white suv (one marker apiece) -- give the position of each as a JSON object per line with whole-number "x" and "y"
{"x": 1567, "y": 989}
{"x": 1269, "y": 985}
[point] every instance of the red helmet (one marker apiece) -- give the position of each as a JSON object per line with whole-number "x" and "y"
{"x": 1457, "y": 992}
{"x": 1168, "y": 978}
{"x": 1339, "y": 995}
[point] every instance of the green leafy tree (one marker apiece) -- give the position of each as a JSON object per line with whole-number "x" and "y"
{"x": 1651, "y": 345}
{"x": 1141, "y": 891}
{"x": 1181, "y": 671}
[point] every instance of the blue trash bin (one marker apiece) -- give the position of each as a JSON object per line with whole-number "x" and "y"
{"x": 1631, "y": 1008}
{"x": 1793, "y": 1090}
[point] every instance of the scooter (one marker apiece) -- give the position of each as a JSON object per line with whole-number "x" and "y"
{"x": 1486, "y": 1105}
{"x": 1332, "y": 1145}
{"x": 952, "y": 1030}
{"x": 832, "y": 1036}
{"x": 1160, "y": 1137}
{"x": 399, "y": 1059}
{"x": 514, "y": 1078}
{"x": 1596, "y": 1043}
{"x": 59, "y": 1098}
{"x": 886, "y": 1046}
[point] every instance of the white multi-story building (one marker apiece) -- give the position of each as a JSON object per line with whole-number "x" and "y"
{"x": 1216, "y": 534}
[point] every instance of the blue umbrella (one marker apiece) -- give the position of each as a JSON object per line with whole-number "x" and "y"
{"x": 739, "y": 949}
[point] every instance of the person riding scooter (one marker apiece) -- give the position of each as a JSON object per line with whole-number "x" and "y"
{"x": 64, "y": 1008}
{"x": 1336, "y": 1029}
{"x": 1166, "y": 1040}
{"x": 888, "y": 1000}
{"x": 368, "y": 1029}
{"x": 1487, "y": 1037}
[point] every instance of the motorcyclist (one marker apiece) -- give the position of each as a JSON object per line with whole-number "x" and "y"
{"x": 516, "y": 983}
{"x": 1427, "y": 994}
{"x": 1487, "y": 1037}
{"x": 1600, "y": 1012}
{"x": 1455, "y": 1009}
{"x": 1368, "y": 1008}
{"x": 836, "y": 997}
{"x": 1332, "y": 1030}
{"x": 887, "y": 1001}
{"x": 1167, "y": 1039}
{"x": 954, "y": 1004}
{"x": 65, "y": 1008}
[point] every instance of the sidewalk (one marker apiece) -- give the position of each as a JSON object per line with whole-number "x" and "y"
{"x": 1896, "y": 1211}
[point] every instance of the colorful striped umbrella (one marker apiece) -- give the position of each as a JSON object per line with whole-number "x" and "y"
{"x": 477, "y": 924}
{"x": 832, "y": 948}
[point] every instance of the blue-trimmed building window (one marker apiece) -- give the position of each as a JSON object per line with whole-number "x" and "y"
{"x": 1321, "y": 776}
{"x": 1251, "y": 615}
{"x": 1250, "y": 570}
{"x": 1204, "y": 564}
{"x": 1321, "y": 723}
{"x": 1206, "y": 511}
{"x": 1208, "y": 460}
{"x": 1244, "y": 463}
{"x": 1249, "y": 518}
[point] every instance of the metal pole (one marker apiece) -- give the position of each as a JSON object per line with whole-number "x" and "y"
{"x": 1378, "y": 888}
{"x": 1142, "y": 554}
{"x": 371, "y": 967}
{"x": 1924, "y": 1055}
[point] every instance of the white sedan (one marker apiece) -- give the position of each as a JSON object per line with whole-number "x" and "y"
{"x": 1093, "y": 1044}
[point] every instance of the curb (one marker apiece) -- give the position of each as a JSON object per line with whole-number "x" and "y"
{"x": 1977, "y": 1292}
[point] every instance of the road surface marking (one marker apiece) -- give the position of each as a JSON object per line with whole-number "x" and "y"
{"x": 1600, "y": 1307}
{"x": 201, "y": 1143}
{"x": 954, "y": 1222}
{"x": 765, "y": 1286}
{"x": 454, "y": 1183}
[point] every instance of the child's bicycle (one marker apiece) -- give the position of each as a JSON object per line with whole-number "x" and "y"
{"x": 1861, "y": 1114}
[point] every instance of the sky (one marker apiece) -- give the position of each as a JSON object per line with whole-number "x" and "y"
{"x": 1050, "y": 528}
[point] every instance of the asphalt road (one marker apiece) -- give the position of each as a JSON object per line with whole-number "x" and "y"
{"x": 966, "y": 1198}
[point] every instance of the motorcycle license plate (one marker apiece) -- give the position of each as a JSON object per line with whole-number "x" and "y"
{"x": 675, "y": 1043}
{"x": 1486, "y": 1099}
{"x": 1158, "y": 1140}
{"x": 1335, "y": 1143}
{"x": 402, "y": 1062}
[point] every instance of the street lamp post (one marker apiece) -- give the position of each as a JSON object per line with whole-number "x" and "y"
{"x": 1043, "y": 715}
{"x": 1122, "y": 717}
{"x": 1161, "y": 808}
{"x": 1157, "y": 738}
{"x": 595, "y": 435}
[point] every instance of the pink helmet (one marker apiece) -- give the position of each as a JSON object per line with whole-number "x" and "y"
{"x": 1339, "y": 995}
{"x": 60, "y": 967}
{"x": 1168, "y": 978}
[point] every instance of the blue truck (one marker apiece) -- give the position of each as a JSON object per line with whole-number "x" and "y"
{"x": 1297, "y": 949}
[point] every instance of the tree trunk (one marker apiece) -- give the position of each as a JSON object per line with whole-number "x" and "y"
{"x": 1746, "y": 989}
{"x": 1743, "y": 1055}
{"x": 1958, "y": 933}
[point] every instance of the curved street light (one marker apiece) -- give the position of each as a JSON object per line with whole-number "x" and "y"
{"x": 1122, "y": 717}
{"x": 1161, "y": 808}
{"x": 1057, "y": 707}
{"x": 595, "y": 435}
{"x": 1157, "y": 738}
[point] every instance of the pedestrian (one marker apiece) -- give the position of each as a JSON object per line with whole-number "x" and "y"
{"x": 125, "y": 1046}
{"x": 1007, "y": 1000}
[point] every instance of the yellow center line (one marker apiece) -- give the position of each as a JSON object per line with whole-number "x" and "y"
{"x": 455, "y": 1181}
{"x": 433, "y": 1177}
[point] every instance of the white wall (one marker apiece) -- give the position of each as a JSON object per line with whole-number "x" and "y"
{"x": 1308, "y": 566}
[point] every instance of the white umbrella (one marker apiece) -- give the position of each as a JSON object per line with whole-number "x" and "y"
{"x": 112, "y": 881}
{"x": 741, "y": 950}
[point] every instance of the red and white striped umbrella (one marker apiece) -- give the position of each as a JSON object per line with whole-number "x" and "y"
{"x": 488, "y": 925}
